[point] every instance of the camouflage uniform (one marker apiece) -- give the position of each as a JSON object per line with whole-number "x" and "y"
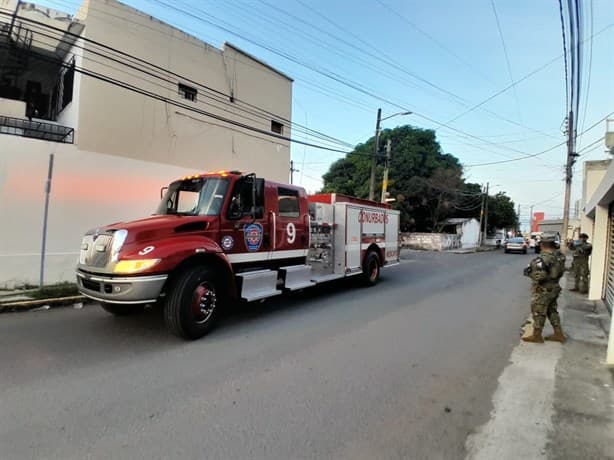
{"x": 580, "y": 266}
{"x": 545, "y": 271}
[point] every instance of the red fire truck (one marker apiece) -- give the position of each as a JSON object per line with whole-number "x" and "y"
{"x": 224, "y": 236}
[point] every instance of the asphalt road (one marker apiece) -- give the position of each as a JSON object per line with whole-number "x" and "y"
{"x": 402, "y": 370}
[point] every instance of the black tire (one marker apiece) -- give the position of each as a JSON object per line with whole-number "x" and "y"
{"x": 371, "y": 269}
{"x": 506, "y": 251}
{"x": 117, "y": 309}
{"x": 524, "y": 251}
{"x": 191, "y": 307}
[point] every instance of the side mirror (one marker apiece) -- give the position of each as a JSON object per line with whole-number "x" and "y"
{"x": 163, "y": 191}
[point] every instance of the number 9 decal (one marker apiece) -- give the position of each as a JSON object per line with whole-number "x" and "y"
{"x": 291, "y": 231}
{"x": 146, "y": 250}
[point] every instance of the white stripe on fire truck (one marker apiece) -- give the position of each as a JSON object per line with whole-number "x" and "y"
{"x": 269, "y": 255}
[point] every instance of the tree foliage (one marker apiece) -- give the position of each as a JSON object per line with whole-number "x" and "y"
{"x": 427, "y": 184}
{"x": 501, "y": 212}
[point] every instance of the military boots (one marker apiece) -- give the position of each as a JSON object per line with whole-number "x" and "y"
{"x": 558, "y": 335}
{"x": 536, "y": 337}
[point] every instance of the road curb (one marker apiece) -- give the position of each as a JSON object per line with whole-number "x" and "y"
{"x": 26, "y": 305}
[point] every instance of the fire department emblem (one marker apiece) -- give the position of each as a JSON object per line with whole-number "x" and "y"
{"x": 227, "y": 243}
{"x": 253, "y": 236}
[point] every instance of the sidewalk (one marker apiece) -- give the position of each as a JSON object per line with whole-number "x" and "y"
{"x": 555, "y": 401}
{"x": 60, "y": 294}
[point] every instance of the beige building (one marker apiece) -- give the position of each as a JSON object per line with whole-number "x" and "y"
{"x": 598, "y": 223}
{"x": 126, "y": 104}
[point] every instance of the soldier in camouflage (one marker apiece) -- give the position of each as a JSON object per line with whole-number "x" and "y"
{"x": 581, "y": 252}
{"x": 545, "y": 272}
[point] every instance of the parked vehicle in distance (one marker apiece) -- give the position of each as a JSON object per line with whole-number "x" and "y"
{"x": 516, "y": 244}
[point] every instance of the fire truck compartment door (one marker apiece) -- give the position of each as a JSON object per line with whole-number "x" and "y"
{"x": 353, "y": 230}
{"x": 392, "y": 238}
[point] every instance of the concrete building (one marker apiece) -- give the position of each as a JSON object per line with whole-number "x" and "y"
{"x": 598, "y": 223}
{"x": 467, "y": 228}
{"x": 126, "y": 103}
{"x": 556, "y": 226}
{"x": 537, "y": 218}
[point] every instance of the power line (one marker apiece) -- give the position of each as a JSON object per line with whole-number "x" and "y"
{"x": 431, "y": 38}
{"x": 590, "y": 66}
{"x": 158, "y": 97}
{"x": 539, "y": 153}
{"x": 564, "y": 53}
{"x": 226, "y": 97}
{"x": 331, "y": 75}
{"x": 586, "y": 149}
{"x": 527, "y": 76}
{"x": 150, "y": 73}
{"x": 507, "y": 58}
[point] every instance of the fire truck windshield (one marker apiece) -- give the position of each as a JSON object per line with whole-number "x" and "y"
{"x": 195, "y": 197}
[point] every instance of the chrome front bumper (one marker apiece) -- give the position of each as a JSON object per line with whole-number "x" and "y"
{"x": 124, "y": 290}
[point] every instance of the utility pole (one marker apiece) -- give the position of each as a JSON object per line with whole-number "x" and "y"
{"x": 292, "y": 171}
{"x": 531, "y": 221}
{"x": 481, "y": 219}
{"x": 571, "y": 158}
{"x": 46, "y": 214}
{"x": 518, "y": 221}
{"x": 385, "y": 181}
{"x": 486, "y": 215}
{"x": 375, "y": 153}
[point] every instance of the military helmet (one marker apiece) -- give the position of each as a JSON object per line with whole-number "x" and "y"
{"x": 584, "y": 235}
{"x": 548, "y": 238}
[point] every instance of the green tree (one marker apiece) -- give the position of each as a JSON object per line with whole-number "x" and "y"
{"x": 427, "y": 184}
{"x": 501, "y": 212}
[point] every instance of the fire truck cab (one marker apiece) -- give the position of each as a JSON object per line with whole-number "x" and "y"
{"x": 225, "y": 236}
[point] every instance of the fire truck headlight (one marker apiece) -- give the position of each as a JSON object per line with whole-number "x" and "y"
{"x": 119, "y": 237}
{"x": 127, "y": 267}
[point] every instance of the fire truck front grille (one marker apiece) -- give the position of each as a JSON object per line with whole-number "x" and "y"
{"x": 97, "y": 251}
{"x": 91, "y": 285}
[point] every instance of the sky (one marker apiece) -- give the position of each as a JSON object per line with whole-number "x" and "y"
{"x": 437, "y": 59}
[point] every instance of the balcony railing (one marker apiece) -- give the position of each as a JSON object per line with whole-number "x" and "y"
{"x": 36, "y": 130}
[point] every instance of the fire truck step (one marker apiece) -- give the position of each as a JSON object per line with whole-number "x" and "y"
{"x": 297, "y": 277}
{"x": 324, "y": 278}
{"x": 258, "y": 284}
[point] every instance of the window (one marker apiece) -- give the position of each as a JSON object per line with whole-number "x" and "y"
{"x": 68, "y": 81}
{"x": 187, "y": 92}
{"x": 202, "y": 197}
{"x": 277, "y": 127}
{"x": 62, "y": 93}
{"x": 288, "y": 202}
{"x": 241, "y": 199}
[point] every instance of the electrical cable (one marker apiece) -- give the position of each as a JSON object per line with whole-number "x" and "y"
{"x": 106, "y": 47}
{"x": 539, "y": 153}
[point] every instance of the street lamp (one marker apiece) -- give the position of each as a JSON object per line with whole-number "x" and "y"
{"x": 374, "y": 159}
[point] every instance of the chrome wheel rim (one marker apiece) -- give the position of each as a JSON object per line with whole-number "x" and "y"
{"x": 204, "y": 302}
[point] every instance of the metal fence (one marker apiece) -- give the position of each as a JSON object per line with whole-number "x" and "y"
{"x": 36, "y": 130}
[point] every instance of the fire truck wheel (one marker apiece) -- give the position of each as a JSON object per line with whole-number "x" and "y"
{"x": 122, "y": 310}
{"x": 191, "y": 307}
{"x": 370, "y": 268}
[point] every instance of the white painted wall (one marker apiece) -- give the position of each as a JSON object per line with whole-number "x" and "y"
{"x": 88, "y": 190}
{"x": 594, "y": 172}
{"x": 470, "y": 233}
{"x": 128, "y": 145}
